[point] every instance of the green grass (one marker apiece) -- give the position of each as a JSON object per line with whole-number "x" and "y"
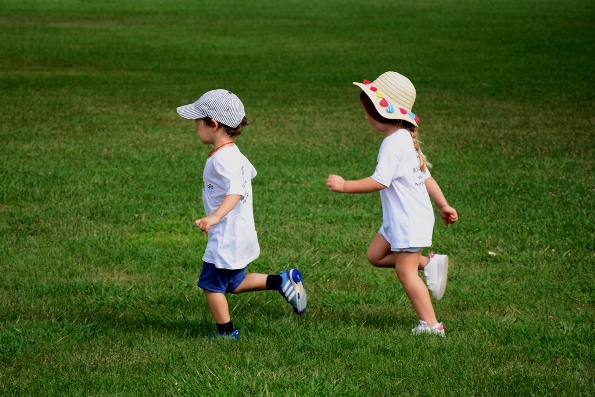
{"x": 100, "y": 185}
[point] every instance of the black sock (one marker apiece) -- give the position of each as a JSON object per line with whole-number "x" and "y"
{"x": 273, "y": 281}
{"x": 226, "y": 328}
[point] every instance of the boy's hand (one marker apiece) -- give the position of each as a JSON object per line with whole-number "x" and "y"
{"x": 335, "y": 183}
{"x": 229, "y": 202}
{"x": 205, "y": 223}
{"x": 449, "y": 215}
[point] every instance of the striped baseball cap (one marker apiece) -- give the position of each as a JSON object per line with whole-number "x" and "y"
{"x": 221, "y": 105}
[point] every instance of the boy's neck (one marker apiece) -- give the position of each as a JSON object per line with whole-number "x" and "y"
{"x": 221, "y": 142}
{"x": 220, "y": 137}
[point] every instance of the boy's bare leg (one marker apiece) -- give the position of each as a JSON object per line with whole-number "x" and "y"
{"x": 219, "y": 307}
{"x": 252, "y": 282}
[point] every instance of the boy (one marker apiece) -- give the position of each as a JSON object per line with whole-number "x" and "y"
{"x": 229, "y": 221}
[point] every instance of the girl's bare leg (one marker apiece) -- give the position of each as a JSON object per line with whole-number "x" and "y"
{"x": 423, "y": 261}
{"x": 406, "y": 265}
{"x": 379, "y": 253}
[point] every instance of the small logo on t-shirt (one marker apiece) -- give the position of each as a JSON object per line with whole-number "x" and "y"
{"x": 243, "y": 179}
{"x": 210, "y": 186}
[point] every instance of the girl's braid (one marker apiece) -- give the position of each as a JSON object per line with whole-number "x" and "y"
{"x": 423, "y": 161}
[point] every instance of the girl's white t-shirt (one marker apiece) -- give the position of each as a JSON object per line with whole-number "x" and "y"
{"x": 407, "y": 214}
{"x": 232, "y": 243}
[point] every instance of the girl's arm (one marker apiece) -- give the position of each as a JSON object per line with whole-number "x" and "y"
{"x": 229, "y": 203}
{"x": 447, "y": 213}
{"x": 367, "y": 185}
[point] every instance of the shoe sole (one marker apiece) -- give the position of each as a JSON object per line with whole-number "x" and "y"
{"x": 438, "y": 333}
{"x": 428, "y": 331}
{"x": 442, "y": 277}
{"x": 296, "y": 280}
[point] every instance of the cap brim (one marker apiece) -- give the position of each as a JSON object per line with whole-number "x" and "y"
{"x": 395, "y": 115}
{"x": 190, "y": 112}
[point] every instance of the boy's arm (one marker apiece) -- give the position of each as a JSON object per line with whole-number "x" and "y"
{"x": 229, "y": 203}
{"x": 447, "y": 213}
{"x": 335, "y": 183}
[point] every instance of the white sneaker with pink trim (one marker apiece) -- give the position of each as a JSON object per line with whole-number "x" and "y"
{"x": 436, "y": 272}
{"x": 422, "y": 328}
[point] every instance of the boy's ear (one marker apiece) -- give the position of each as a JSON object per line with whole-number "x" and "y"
{"x": 215, "y": 124}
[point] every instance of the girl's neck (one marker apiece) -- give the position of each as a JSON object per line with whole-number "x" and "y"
{"x": 389, "y": 130}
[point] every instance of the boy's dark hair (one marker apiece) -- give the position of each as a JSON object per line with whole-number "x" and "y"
{"x": 232, "y": 132}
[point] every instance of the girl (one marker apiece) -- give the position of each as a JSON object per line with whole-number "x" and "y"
{"x": 405, "y": 186}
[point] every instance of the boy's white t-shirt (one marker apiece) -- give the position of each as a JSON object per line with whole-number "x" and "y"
{"x": 407, "y": 214}
{"x": 232, "y": 243}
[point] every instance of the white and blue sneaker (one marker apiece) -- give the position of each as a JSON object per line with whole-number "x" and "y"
{"x": 293, "y": 290}
{"x": 235, "y": 335}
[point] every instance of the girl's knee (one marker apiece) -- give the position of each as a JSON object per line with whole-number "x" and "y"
{"x": 376, "y": 264}
{"x": 374, "y": 260}
{"x": 402, "y": 275}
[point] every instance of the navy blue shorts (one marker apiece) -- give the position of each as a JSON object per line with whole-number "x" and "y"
{"x": 220, "y": 280}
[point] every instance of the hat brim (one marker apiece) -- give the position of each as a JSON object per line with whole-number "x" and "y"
{"x": 395, "y": 115}
{"x": 190, "y": 112}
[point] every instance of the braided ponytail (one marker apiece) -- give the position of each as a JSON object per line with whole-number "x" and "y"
{"x": 423, "y": 161}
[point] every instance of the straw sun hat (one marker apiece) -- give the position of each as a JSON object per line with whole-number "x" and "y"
{"x": 393, "y": 96}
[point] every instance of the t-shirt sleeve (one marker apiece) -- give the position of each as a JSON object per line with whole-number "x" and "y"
{"x": 426, "y": 174}
{"x": 234, "y": 174}
{"x": 388, "y": 164}
{"x": 253, "y": 172}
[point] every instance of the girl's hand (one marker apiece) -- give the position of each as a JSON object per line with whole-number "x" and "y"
{"x": 449, "y": 215}
{"x": 205, "y": 223}
{"x": 335, "y": 183}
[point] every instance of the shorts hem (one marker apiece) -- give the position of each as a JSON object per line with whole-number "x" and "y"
{"x": 410, "y": 249}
